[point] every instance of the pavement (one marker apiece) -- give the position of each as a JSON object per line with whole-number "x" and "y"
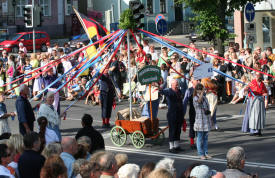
{"x": 259, "y": 150}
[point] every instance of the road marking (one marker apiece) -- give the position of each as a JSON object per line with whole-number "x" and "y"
{"x": 186, "y": 157}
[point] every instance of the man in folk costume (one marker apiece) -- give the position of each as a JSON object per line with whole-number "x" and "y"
{"x": 254, "y": 119}
{"x": 188, "y": 99}
{"x": 107, "y": 94}
{"x": 175, "y": 115}
{"x": 212, "y": 97}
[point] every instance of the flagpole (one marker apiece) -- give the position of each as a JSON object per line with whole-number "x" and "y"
{"x": 129, "y": 75}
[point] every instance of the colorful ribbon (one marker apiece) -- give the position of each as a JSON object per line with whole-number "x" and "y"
{"x": 144, "y": 31}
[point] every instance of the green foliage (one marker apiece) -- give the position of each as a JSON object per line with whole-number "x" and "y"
{"x": 209, "y": 26}
{"x": 126, "y": 20}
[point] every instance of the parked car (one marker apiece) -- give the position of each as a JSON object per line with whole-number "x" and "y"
{"x": 12, "y": 43}
{"x": 83, "y": 38}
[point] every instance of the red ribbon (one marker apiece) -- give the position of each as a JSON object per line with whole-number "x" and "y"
{"x": 57, "y": 61}
{"x": 206, "y": 53}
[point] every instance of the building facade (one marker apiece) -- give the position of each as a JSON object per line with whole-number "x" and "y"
{"x": 174, "y": 14}
{"x": 58, "y": 18}
{"x": 264, "y": 23}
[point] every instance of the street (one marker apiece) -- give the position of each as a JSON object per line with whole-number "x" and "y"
{"x": 259, "y": 150}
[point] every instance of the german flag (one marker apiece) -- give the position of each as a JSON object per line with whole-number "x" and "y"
{"x": 91, "y": 26}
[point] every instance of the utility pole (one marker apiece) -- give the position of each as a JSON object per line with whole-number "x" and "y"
{"x": 33, "y": 29}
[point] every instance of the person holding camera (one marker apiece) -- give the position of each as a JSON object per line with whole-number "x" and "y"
{"x": 202, "y": 121}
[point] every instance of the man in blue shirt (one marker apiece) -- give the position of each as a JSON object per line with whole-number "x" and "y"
{"x": 69, "y": 147}
{"x": 24, "y": 110}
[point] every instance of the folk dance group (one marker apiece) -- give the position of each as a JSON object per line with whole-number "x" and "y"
{"x": 201, "y": 97}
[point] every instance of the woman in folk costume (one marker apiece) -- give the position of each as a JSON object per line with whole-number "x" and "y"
{"x": 212, "y": 97}
{"x": 49, "y": 78}
{"x": 254, "y": 118}
{"x": 47, "y": 110}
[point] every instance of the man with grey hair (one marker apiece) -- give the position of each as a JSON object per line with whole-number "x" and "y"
{"x": 235, "y": 163}
{"x": 175, "y": 114}
{"x": 24, "y": 110}
{"x": 108, "y": 165}
{"x": 69, "y": 147}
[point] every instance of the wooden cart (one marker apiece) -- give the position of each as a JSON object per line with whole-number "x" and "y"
{"x": 138, "y": 130}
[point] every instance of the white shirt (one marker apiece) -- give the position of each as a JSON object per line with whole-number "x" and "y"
{"x": 50, "y": 136}
{"x": 146, "y": 49}
{"x": 67, "y": 66}
{"x": 154, "y": 56}
{"x": 5, "y": 172}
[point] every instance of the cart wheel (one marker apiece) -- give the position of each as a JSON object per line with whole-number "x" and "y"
{"x": 138, "y": 139}
{"x": 118, "y": 136}
{"x": 160, "y": 139}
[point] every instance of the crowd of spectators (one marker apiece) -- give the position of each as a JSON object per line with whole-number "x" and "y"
{"x": 47, "y": 154}
{"x": 13, "y": 68}
{"x": 22, "y": 156}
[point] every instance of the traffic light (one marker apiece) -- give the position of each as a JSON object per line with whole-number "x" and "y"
{"x": 37, "y": 16}
{"x": 28, "y": 16}
{"x": 136, "y": 8}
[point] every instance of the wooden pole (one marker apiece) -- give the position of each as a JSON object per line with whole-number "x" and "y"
{"x": 151, "y": 112}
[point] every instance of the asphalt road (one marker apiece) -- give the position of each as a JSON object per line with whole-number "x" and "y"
{"x": 259, "y": 150}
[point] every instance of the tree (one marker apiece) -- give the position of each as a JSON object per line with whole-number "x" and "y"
{"x": 210, "y": 17}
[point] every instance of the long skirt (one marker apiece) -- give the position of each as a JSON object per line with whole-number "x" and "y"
{"x": 245, "y": 125}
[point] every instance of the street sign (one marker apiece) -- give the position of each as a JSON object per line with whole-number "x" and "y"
{"x": 162, "y": 27}
{"x": 149, "y": 74}
{"x": 251, "y": 38}
{"x": 250, "y": 28}
{"x": 249, "y": 12}
{"x": 114, "y": 27}
{"x": 158, "y": 17}
{"x": 203, "y": 71}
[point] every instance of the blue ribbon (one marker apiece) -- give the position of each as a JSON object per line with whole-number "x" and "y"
{"x": 192, "y": 58}
{"x": 87, "y": 63}
{"x": 62, "y": 76}
{"x": 90, "y": 83}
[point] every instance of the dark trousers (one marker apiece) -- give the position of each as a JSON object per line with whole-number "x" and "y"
{"x": 174, "y": 129}
{"x": 106, "y": 104}
{"x": 22, "y": 129}
{"x": 192, "y": 133}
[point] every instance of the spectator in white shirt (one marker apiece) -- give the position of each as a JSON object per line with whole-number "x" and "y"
{"x": 47, "y": 135}
{"x": 153, "y": 53}
{"x": 22, "y": 48}
{"x": 146, "y": 46}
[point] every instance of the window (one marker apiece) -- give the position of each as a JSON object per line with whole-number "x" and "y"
{"x": 43, "y": 35}
{"x": 46, "y": 7}
{"x": 19, "y": 7}
{"x": 26, "y": 37}
{"x": 162, "y": 4}
{"x": 37, "y": 35}
{"x": 150, "y": 6}
{"x": 266, "y": 30}
{"x": 68, "y": 7}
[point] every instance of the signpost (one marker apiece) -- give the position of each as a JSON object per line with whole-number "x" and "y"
{"x": 203, "y": 71}
{"x": 158, "y": 17}
{"x": 249, "y": 12}
{"x": 147, "y": 75}
{"x": 250, "y": 28}
{"x": 162, "y": 27}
